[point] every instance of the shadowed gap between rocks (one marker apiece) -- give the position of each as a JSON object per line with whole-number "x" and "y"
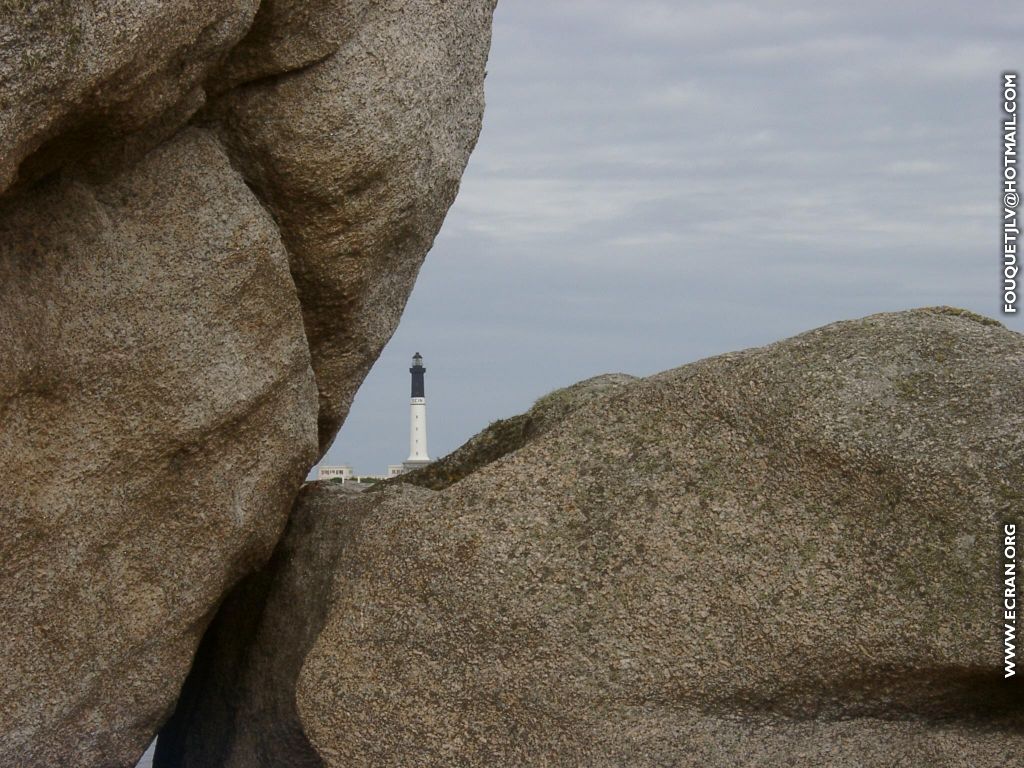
{"x": 204, "y": 730}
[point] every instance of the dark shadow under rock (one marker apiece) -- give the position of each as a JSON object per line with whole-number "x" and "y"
{"x": 237, "y": 707}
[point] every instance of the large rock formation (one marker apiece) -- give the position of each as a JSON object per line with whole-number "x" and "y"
{"x": 782, "y": 556}
{"x": 158, "y": 415}
{"x": 213, "y": 214}
{"x": 93, "y": 84}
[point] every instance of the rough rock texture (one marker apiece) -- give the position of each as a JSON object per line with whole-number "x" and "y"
{"x": 87, "y": 83}
{"x": 782, "y": 556}
{"x": 158, "y": 413}
{"x": 237, "y": 709}
{"x": 358, "y": 157}
{"x": 287, "y": 35}
{"x": 507, "y": 435}
{"x": 170, "y": 171}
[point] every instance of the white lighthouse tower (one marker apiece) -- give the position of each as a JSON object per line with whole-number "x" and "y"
{"x": 417, "y": 417}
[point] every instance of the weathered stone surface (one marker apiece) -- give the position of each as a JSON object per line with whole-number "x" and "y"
{"x": 504, "y": 436}
{"x": 287, "y": 35}
{"x": 95, "y": 83}
{"x": 782, "y": 556}
{"x": 158, "y": 413}
{"x": 358, "y": 157}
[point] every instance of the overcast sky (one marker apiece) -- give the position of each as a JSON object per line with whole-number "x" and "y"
{"x": 657, "y": 182}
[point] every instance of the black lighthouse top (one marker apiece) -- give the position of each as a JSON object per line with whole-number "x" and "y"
{"x": 417, "y": 372}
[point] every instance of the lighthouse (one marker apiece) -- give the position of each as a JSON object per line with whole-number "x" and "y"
{"x": 417, "y": 417}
